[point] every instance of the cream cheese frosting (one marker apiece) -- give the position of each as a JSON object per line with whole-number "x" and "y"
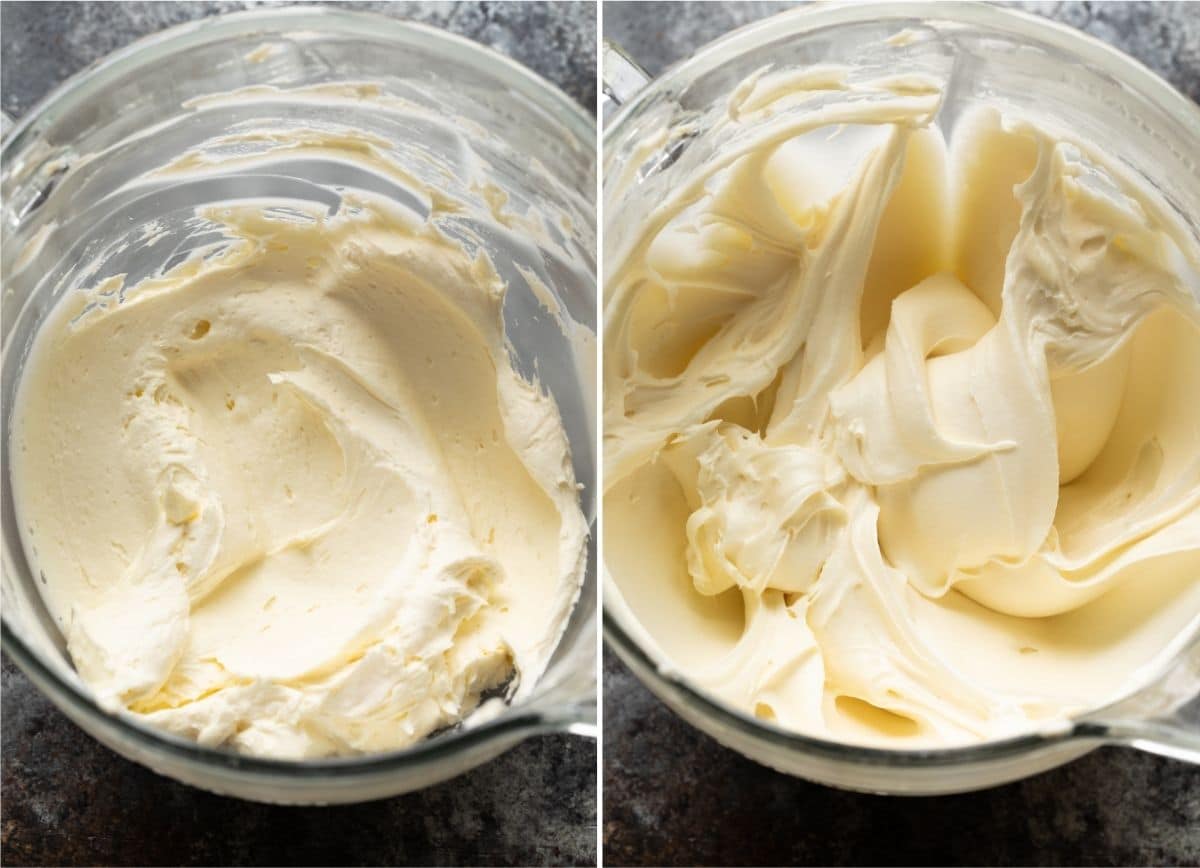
{"x": 902, "y": 444}
{"x": 292, "y": 496}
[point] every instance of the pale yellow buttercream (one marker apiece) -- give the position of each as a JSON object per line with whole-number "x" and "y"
{"x": 902, "y": 443}
{"x": 294, "y": 497}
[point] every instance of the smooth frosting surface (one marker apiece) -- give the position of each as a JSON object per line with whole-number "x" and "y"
{"x": 294, "y": 497}
{"x": 902, "y": 443}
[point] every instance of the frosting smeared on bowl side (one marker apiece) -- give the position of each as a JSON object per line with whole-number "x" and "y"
{"x": 291, "y": 494}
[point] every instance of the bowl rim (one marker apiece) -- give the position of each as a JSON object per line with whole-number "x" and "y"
{"x": 820, "y": 15}
{"x": 74, "y": 90}
{"x": 515, "y": 722}
{"x": 1146, "y": 83}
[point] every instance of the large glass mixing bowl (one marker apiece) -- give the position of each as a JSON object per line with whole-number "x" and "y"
{"x": 999, "y": 56}
{"x": 75, "y": 194}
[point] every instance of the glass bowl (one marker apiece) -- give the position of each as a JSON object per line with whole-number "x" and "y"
{"x": 73, "y": 178}
{"x": 1027, "y": 62}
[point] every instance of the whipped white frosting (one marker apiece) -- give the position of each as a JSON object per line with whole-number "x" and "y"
{"x": 902, "y": 443}
{"x": 294, "y": 497}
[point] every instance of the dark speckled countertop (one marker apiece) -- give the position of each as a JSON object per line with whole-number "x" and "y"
{"x": 673, "y": 796}
{"x": 69, "y": 801}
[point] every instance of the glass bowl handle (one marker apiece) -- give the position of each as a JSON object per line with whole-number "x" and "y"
{"x": 576, "y": 715}
{"x": 1162, "y": 718}
{"x": 566, "y": 696}
{"x": 620, "y": 79}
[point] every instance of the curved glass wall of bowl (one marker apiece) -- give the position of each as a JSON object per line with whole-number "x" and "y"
{"x": 77, "y": 190}
{"x": 657, "y": 130}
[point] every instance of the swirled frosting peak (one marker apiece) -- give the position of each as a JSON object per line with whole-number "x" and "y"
{"x": 902, "y": 439}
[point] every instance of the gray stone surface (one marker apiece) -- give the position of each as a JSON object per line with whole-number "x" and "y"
{"x": 69, "y": 801}
{"x": 673, "y": 796}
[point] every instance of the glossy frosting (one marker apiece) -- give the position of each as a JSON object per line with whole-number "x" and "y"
{"x": 902, "y": 443}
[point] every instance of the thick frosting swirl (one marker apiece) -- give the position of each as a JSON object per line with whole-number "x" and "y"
{"x": 901, "y": 439}
{"x": 294, "y": 497}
